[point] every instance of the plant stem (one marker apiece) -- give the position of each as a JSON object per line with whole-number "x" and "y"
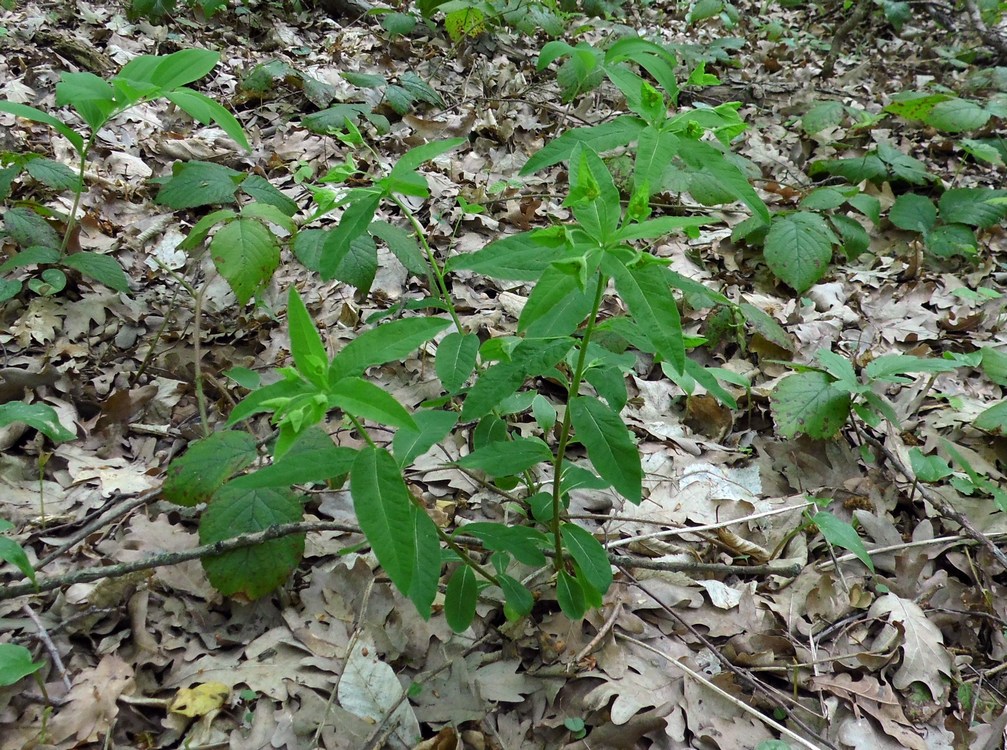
{"x": 564, "y": 437}
{"x": 71, "y": 221}
{"x": 436, "y": 270}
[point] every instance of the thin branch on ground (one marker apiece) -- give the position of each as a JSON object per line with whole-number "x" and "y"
{"x": 43, "y": 635}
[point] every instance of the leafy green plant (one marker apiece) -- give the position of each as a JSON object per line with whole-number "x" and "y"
{"x": 13, "y": 553}
{"x": 37, "y": 416}
{"x": 818, "y": 401}
{"x": 470, "y": 18}
{"x": 96, "y": 102}
{"x": 948, "y": 228}
{"x": 15, "y": 663}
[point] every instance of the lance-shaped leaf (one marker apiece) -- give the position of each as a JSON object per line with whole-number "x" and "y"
{"x": 609, "y": 446}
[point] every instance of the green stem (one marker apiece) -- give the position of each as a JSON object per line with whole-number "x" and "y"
{"x": 360, "y": 428}
{"x": 438, "y": 272}
{"x": 564, "y": 436}
{"x": 462, "y": 552}
{"x": 71, "y": 221}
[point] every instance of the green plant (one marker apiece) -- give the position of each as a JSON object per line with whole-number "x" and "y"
{"x": 13, "y": 553}
{"x": 96, "y": 102}
{"x": 470, "y": 18}
{"x": 948, "y": 229}
{"x": 818, "y": 401}
{"x": 15, "y": 663}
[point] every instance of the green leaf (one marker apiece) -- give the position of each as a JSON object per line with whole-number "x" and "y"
{"x": 53, "y": 174}
{"x": 609, "y": 446}
{"x": 354, "y": 222}
{"x": 310, "y": 459}
{"x": 823, "y": 115}
{"x": 593, "y": 195}
{"x": 198, "y": 183}
{"x": 842, "y": 534}
{"x": 255, "y": 571}
{"x": 913, "y": 212}
{"x": 92, "y": 97}
{"x": 705, "y": 160}
{"x": 15, "y": 663}
{"x": 306, "y": 344}
{"x": 383, "y": 508}
{"x": 263, "y": 191}
{"x": 28, "y": 229}
{"x": 37, "y": 115}
{"x": 766, "y": 325}
{"x": 928, "y": 469}
{"x": 431, "y": 427}
{"x": 388, "y": 342}
{"x": 556, "y": 306}
{"x": 903, "y": 167}
{"x": 659, "y": 227}
{"x": 599, "y": 138}
{"x": 646, "y": 291}
{"x": 40, "y": 417}
{"x": 365, "y": 400}
{"x": 426, "y": 562}
{"x": 798, "y": 249}
{"x": 854, "y": 237}
{"x": 456, "y": 359}
{"x": 178, "y": 68}
{"x": 530, "y": 357}
{"x": 524, "y": 543}
{"x": 205, "y": 110}
{"x": 101, "y": 268}
{"x": 265, "y": 398}
{"x": 889, "y": 367}
{"x": 520, "y": 257}
{"x": 951, "y": 240}
{"x": 416, "y": 157}
{"x": 570, "y": 596}
{"x": 970, "y": 206}
{"x": 519, "y": 599}
{"x": 590, "y": 556}
{"x": 508, "y": 457}
{"x": 246, "y": 254}
{"x": 13, "y": 553}
{"x": 957, "y": 116}
{"x": 193, "y": 477}
{"x": 993, "y": 419}
{"x": 402, "y": 246}
{"x": 460, "y": 598}
{"x": 866, "y": 167}
{"x": 810, "y": 403}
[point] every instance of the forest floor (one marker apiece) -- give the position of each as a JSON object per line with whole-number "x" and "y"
{"x": 810, "y": 649}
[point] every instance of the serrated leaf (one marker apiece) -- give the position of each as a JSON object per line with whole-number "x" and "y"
{"x": 198, "y": 183}
{"x": 810, "y": 403}
{"x": 253, "y": 571}
{"x": 101, "y": 268}
{"x": 265, "y": 193}
{"x": 353, "y": 223}
{"x": 246, "y": 254}
{"x": 53, "y": 174}
{"x": 460, "y": 599}
{"x": 951, "y": 240}
{"x": 508, "y": 457}
{"x": 28, "y": 229}
{"x": 456, "y": 359}
{"x": 590, "y": 556}
{"x": 913, "y": 212}
{"x": 194, "y": 477}
{"x": 956, "y": 116}
{"x": 842, "y": 534}
{"x": 902, "y": 166}
{"x": 798, "y": 249}
{"x": 609, "y": 446}
{"x": 971, "y": 206}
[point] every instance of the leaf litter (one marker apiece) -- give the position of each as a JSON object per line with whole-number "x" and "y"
{"x": 811, "y": 649}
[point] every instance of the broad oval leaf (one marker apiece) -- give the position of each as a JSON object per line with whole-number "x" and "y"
{"x": 253, "y": 571}
{"x": 193, "y": 477}
{"x": 798, "y": 249}
{"x": 810, "y": 403}
{"x": 246, "y": 254}
{"x": 589, "y": 555}
{"x": 507, "y": 457}
{"x": 456, "y": 359}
